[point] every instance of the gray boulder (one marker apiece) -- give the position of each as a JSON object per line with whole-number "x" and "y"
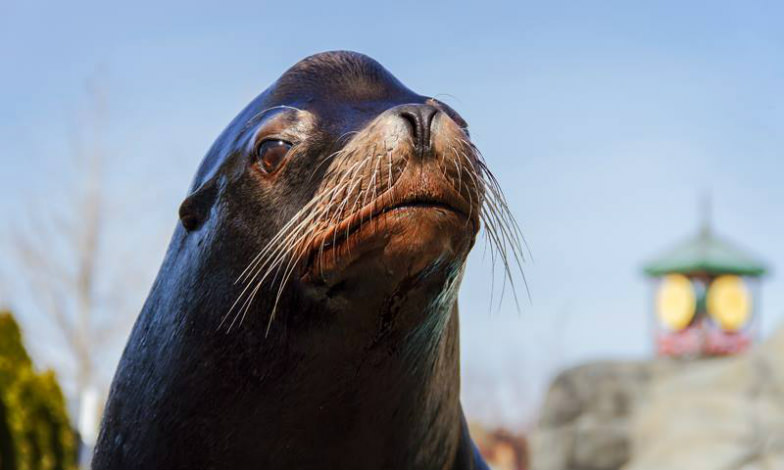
{"x": 714, "y": 414}
{"x": 584, "y": 423}
{"x": 721, "y": 413}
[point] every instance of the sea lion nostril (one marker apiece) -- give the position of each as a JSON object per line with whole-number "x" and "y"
{"x": 420, "y": 118}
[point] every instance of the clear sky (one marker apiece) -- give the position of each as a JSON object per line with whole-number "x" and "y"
{"x": 604, "y": 122}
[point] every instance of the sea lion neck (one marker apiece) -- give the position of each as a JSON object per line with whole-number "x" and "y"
{"x": 302, "y": 395}
{"x": 392, "y": 404}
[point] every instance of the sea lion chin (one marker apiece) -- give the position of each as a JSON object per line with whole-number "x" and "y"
{"x": 305, "y": 315}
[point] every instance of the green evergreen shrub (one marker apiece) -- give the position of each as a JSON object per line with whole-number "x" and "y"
{"x": 35, "y": 433}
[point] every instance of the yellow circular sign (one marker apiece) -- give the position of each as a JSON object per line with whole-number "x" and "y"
{"x": 729, "y": 302}
{"x": 676, "y": 301}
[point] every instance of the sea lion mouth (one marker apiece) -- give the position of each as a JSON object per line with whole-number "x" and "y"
{"x": 344, "y": 230}
{"x": 374, "y": 219}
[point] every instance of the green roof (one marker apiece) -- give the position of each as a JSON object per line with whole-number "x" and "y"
{"x": 707, "y": 254}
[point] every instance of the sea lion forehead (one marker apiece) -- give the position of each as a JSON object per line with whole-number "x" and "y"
{"x": 339, "y": 89}
{"x": 339, "y": 77}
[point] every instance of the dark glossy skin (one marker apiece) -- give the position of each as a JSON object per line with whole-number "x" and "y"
{"x": 360, "y": 365}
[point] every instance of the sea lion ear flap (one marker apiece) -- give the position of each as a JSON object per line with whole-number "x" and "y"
{"x": 196, "y": 208}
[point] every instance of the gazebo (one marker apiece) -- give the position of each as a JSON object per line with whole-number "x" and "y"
{"x": 705, "y": 296}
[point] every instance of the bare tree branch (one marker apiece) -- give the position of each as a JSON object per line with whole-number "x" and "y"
{"x": 63, "y": 261}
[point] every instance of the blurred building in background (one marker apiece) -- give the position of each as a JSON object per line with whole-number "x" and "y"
{"x": 706, "y": 290}
{"x": 708, "y": 399}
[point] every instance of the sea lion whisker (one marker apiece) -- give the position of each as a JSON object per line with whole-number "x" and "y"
{"x": 302, "y": 217}
{"x": 344, "y": 172}
{"x": 273, "y": 267}
{"x": 337, "y": 214}
{"x": 290, "y": 269}
{"x": 343, "y": 175}
{"x": 490, "y": 246}
{"x": 475, "y": 188}
{"x": 244, "y": 308}
{"x": 500, "y": 226}
{"x": 470, "y": 173}
{"x": 459, "y": 169}
{"x": 348, "y": 227}
{"x": 350, "y": 173}
{"x": 285, "y": 243}
{"x": 503, "y": 218}
{"x": 364, "y": 178}
{"x": 372, "y": 186}
{"x": 357, "y": 183}
{"x": 346, "y": 134}
{"x": 322, "y": 162}
{"x": 469, "y": 163}
{"x": 275, "y": 239}
{"x": 275, "y": 249}
{"x": 267, "y": 259}
{"x": 373, "y": 179}
{"x": 273, "y": 258}
{"x": 389, "y": 160}
{"x": 499, "y": 199}
{"x": 497, "y": 230}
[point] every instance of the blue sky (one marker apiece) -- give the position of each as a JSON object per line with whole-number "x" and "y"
{"x": 604, "y": 121}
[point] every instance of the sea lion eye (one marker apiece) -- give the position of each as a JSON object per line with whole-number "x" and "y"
{"x": 271, "y": 154}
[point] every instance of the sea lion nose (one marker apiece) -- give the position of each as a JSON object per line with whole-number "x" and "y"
{"x": 420, "y": 118}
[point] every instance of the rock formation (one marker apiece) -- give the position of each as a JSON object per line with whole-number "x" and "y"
{"x": 721, "y": 413}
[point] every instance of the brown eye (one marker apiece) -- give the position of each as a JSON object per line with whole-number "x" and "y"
{"x": 271, "y": 154}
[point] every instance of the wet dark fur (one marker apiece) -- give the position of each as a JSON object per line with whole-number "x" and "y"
{"x": 361, "y": 372}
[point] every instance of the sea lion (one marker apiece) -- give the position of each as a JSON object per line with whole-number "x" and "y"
{"x": 305, "y": 315}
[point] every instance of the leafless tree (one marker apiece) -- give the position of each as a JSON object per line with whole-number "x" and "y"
{"x": 83, "y": 292}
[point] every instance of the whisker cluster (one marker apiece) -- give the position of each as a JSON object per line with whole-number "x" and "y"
{"x": 352, "y": 181}
{"x": 348, "y": 189}
{"x": 503, "y": 234}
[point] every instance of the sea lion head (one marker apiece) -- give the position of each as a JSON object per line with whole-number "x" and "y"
{"x": 325, "y": 232}
{"x": 339, "y": 187}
